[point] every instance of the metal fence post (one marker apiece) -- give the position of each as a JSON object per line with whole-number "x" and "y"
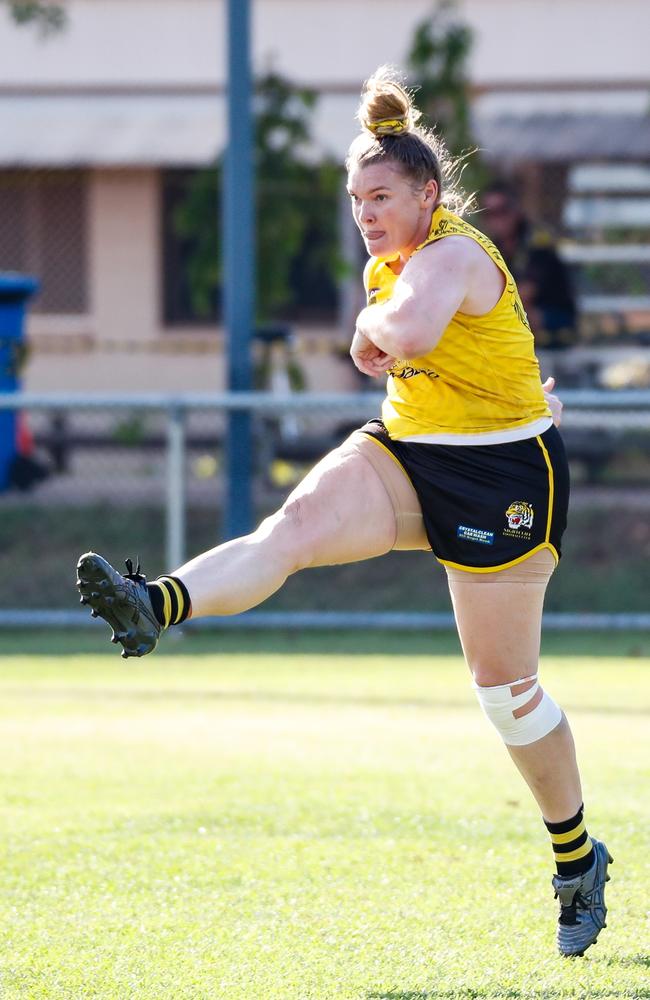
{"x": 175, "y": 519}
{"x": 239, "y": 267}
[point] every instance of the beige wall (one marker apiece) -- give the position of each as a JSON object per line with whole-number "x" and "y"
{"x": 326, "y": 41}
{"x": 124, "y": 254}
{"x": 124, "y": 277}
{"x": 196, "y": 364}
{"x": 122, "y": 344}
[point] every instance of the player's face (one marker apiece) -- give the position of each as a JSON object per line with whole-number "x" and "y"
{"x": 392, "y": 215}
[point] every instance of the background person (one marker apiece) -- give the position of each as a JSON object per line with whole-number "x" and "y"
{"x": 542, "y": 277}
{"x": 466, "y": 462}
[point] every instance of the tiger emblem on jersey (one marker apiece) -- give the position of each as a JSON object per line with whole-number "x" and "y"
{"x": 520, "y": 515}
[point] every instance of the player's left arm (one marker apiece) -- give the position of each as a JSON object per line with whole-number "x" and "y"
{"x": 429, "y": 291}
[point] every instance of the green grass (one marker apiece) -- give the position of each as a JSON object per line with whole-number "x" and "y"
{"x": 303, "y": 818}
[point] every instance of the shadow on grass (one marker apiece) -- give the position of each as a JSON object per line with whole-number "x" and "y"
{"x": 630, "y": 961}
{"x": 466, "y": 993}
{"x": 261, "y": 697}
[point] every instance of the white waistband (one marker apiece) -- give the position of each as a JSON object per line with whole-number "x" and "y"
{"x": 490, "y": 437}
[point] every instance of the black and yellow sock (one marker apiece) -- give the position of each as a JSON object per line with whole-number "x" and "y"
{"x": 170, "y": 600}
{"x": 572, "y": 846}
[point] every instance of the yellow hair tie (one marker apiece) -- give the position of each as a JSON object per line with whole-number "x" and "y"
{"x": 387, "y": 126}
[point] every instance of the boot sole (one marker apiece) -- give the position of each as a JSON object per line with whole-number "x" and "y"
{"x": 98, "y": 591}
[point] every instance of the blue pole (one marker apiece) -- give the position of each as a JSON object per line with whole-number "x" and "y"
{"x": 239, "y": 265}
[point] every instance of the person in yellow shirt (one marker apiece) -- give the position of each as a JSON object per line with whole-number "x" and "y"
{"x": 465, "y": 462}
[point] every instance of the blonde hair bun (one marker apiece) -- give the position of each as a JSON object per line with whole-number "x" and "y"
{"x": 386, "y": 106}
{"x": 391, "y": 134}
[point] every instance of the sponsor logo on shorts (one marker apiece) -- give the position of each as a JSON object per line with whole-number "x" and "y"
{"x": 520, "y": 520}
{"x": 480, "y": 535}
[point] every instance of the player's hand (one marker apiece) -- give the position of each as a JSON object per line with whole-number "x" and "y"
{"x": 369, "y": 358}
{"x": 554, "y": 402}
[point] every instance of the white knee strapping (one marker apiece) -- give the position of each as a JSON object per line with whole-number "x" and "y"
{"x": 522, "y": 712}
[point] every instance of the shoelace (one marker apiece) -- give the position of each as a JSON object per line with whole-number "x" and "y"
{"x": 568, "y": 912}
{"x": 132, "y": 574}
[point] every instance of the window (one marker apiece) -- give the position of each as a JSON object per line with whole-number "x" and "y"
{"x": 178, "y": 252}
{"x": 191, "y": 263}
{"x": 43, "y": 233}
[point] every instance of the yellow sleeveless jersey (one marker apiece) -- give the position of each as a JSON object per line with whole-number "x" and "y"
{"x": 482, "y": 377}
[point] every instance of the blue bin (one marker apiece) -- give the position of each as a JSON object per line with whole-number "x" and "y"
{"x": 15, "y": 291}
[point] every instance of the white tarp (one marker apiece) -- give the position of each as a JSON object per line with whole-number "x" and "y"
{"x": 189, "y": 128}
{"x": 66, "y": 130}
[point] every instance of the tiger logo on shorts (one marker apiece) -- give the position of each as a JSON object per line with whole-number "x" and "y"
{"x": 520, "y": 515}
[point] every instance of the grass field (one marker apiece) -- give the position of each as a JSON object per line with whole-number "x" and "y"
{"x": 304, "y": 818}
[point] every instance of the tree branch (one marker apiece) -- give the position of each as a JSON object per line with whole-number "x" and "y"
{"x": 47, "y": 14}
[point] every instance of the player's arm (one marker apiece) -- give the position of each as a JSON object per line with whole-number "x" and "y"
{"x": 555, "y": 403}
{"x": 429, "y": 291}
{"x": 367, "y": 357}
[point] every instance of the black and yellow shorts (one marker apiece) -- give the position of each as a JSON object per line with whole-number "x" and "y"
{"x": 487, "y": 507}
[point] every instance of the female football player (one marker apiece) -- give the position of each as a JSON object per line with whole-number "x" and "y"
{"x": 465, "y": 462}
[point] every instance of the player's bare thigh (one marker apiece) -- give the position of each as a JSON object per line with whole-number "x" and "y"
{"x": 355, "y": 504}
{"x": 499, "y": 617}
{"x": 341, "y": 512}
{"x": 410, "y": 532}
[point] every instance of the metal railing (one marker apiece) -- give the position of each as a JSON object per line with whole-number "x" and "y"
{"x": 625, "y": 410}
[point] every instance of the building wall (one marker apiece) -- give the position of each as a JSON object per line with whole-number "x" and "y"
{"x": 124, "y": 254}
{"x": 192, "y": 363}
{"x": 326, "y": 42}
{"x": 331, "y": 44}
{"x": 121, "y": 344}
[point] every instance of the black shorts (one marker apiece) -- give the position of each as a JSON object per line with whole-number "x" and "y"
{"x": 487, "y": 507}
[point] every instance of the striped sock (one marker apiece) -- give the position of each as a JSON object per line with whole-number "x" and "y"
{"x": 572, "y": 846}
{"x": 170, "y": 600}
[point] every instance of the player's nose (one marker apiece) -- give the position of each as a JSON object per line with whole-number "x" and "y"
{"x": 366, "y": 214}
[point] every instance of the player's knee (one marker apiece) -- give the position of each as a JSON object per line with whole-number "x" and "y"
{"x": 487, "y": 665}
{"x": 522, "y": 712}
{"x": 299, "y": 527}
{"x": 290, "y": 531}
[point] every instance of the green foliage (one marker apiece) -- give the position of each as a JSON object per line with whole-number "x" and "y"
{"x": 295, "y": 198}
{"x": 438, "y": 60}
{"x": 130, "y": 431}
{"x": 438, "y": 65}
{"x": 198, "y": 219}
{"x": 49, "y": 16}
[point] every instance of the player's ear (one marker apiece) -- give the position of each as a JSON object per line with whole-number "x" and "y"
{"x": 430, "y": 193}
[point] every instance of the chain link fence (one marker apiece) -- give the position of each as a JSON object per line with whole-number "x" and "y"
{"x": 45, "y": 231}
{"x": 143, "y": 477}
